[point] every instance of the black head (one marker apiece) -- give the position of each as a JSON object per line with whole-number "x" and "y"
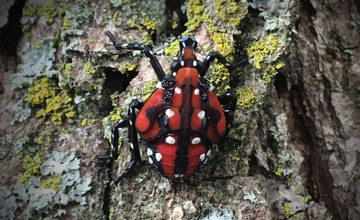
{"x": 188, "y": 41}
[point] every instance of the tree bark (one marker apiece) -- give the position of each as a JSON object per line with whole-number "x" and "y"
{"x": 298, "y": 112}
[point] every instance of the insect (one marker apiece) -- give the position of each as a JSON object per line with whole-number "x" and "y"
{"x": 182, "y": 118}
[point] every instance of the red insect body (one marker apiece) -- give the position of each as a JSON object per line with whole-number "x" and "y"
{"x": 179, "y": 131}
{"x": 181, "y": 119}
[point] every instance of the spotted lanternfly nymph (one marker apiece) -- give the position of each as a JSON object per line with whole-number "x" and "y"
{"x": 182, "y": 118}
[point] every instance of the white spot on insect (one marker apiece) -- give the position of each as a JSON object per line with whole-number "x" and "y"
{"x": 182, "y": 63}
{"x": 202, "y": 157}
{"x": 174, "y": 74}
{"x": 211, "y": 87}
{"x": 176, "y": 175}
{"x": 177, "y": 90}
{"x": 208, "y": 57}
{"x": 159, "y": 86}
{"x": 181, "y": 175}
{"x": 194, "y": 63}
{"x": 208, "y": 153}
{"x": 130, "y": 122}
{"x": 201, "y": 114}
{"x": 149, "y": 152}
{"x": 148, "y": 58}
{"x": 131, "y": 145}
{"x": 170, "y": 140}
{"x": 196, "y": 140}
{"x": 151, "y": 52}
{"x": 169, "y": 113}
{"x": 150, "y": 160}
{"x": 183, "y": 43}
{"x": 196, "y": 91}
{"x": 158, "y": 156}
{"x": 124, "y": 45}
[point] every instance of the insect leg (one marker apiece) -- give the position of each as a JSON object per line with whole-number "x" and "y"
{"x": 229, "y": 99}
{"x": 132, "y": 135}
{"x": 148, "y": 53}
{"x": 216, "y": 55}
{"x": 114, "y": 140}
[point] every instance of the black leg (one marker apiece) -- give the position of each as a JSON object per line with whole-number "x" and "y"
{"x": 229, "y": 100}
{"x": 132, "y": 135}
{"x": 148, "y": 53}
{"x": 114, "y": 140}
{"x": 216, "y": 55}
{"x": 133, "y": 141}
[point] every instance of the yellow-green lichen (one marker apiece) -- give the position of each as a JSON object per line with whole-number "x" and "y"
{"x": 174, "y": 24}
{"x": 231, "y": 11}
{"x": 262, "y": 48}
{"x": 235, "y": 158}
{"x": 29, "y": 9}
{"x": 149, "y": 89}
{"x": 51, "y": 182}
{"x": 36, "y": 44}
{"x": 246, "y": 98}
{"x": 220, "y": 78}
{"x": 53, "y": 101}
{"x": 38, "y": 140}
{"x": 115, "y": 15}
{"x": 49, "y": 10}
{"x": 307, "y": 198}
{"x": 67, "y": 23}
{"x": 271, "y": 71}
{"x": 223, "y": 45}
{"x": 150, "y": 24}
{"x": 112, "y": 213}
{"x": 89, "y": 67}
{"x": 132, "y": 23}
{"x": 58, "y": 107}
{"x": 84, "y": 122}
{"x": 41, "y": 90}
{"x": 127, "y": 67}
{"x": 287, "y": 210}
{"x": 45, "y": 137}
{"x": 173, "y": 49}
{"x": 31, "y": 166}
{"x": 66, "y": 70}
{"x": 279, "y": 171}
{"x": 195, "y": 15}
{"x": 147, "y": 39}
{"x": 115, "y": 115}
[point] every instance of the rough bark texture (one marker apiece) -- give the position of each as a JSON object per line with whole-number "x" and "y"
{"x": 323, "y": 90}
{"x": 298, "y": 114}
